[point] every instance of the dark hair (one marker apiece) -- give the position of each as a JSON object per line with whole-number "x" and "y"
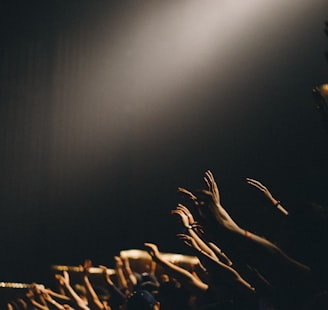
{"x": 141, "y": 300}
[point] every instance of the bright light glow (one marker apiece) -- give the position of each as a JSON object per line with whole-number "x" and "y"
{"x": 173, "y": 257}
{"x": 153, "y": 60}
{"x": 135, "y": 254}
{"x": 324, "y": 89}
{"x": 169, "y": 49}
{"x": 179, "y": 258}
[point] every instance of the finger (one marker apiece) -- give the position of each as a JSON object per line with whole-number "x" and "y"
{"x": 209, "y": 172}
{"x": 180, "y": 207}
{"x": 186, "y": 192}
{"x": 178, "y": 212}
{"x": 252, "y": 181}
{"x": 257, "y": 186}
{"x": 184, "y": 209}
{"x": 209, "y": 180}
{"x": 150, "y": 245}
{"x": 187, "y": 243}
{"x": 212, "y": 181}
{"x": 210, "y": 176}
{"x": 185, "y": 239}
{"x": 204, "y": 194}
{"x": 255, "y": 182}
{"x": 208, "y": 184}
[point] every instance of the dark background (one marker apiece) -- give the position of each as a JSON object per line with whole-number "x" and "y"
{"x": 102, "y": 117}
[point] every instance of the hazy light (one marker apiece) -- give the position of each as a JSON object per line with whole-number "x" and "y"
{"x": 153, "y": 60}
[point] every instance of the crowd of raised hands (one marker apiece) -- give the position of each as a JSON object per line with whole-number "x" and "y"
{"x": 234, "y": 268}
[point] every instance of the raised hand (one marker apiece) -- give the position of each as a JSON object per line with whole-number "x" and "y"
{"x": 208, "y": 203}
{"x": 153, "y": 251}
{"x": 186, "y": 211}
{"x": 261, "y": 187}
{"x": 212, "y": 186}
{"x": 106, "y": 275}
{"x": 210, "y": 209}
{"x": 267, "y": 194}
{"x": 183, "y": 216}
{"x": 118, "y": 262}
{"x": 63, "y": 279}
{"x": 188, "y": 194}
{"x": 189, "y": 241}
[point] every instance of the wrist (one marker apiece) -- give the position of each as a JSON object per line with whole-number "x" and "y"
{"x": 129, "y": 271}
{"x": 277, "y": 203}
{"x": 109, "y": 282}
{"x": 247, "y": 234}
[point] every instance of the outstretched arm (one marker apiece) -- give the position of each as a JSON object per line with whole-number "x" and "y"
{"x": 180, "y": 273}
{"x": 117, "y": 297}
{"x": 121, "y": 279}
{"x": 131, "y": 276}
{"x": 226, "y": 273}
{"x": 93, "y": 298}
{"x": 37, "y": 304}
{"x": 220, "y": 253}
{"x": 261, "y": 252}
{"x": 52, "y": 293}
{"x": 53, "y": 302}
{"x": 66, "y": 282}
{"x": 267, "y": 194}
{"x": 208, "y": 205}
{"x": 187, "y": 218}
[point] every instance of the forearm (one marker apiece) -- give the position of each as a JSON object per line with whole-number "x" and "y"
{"x": 220, "y": 253}
{"x": 38, "y": 305}
{"x": 263, "y": 254}
{"x": 202, "y": 245}
{"x": 121, "y": 278}
{"x": 275, "y": 251}
{"x": 225, "y": 272}
{"x": 183, "y": 275}
{"x": 127, "y": 270}
{"x": 267, "y": 194}
{"x": 93, "y": 297}
{"x": 117, "y": 297}
{"x": 131, "y": 277}
{"x": 55, "y": 304}
{"x": 58, "y": 296}
{"x": 152, "y": 270}
{"x": 77, "y": 299}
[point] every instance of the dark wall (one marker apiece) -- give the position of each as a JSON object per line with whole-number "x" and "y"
{"x": 87, "y": 169}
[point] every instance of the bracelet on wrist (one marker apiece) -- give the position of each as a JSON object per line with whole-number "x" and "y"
{"x": 277, "y": 203}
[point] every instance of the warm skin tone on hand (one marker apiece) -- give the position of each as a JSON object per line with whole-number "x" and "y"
{"x": 276, "y": 266}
